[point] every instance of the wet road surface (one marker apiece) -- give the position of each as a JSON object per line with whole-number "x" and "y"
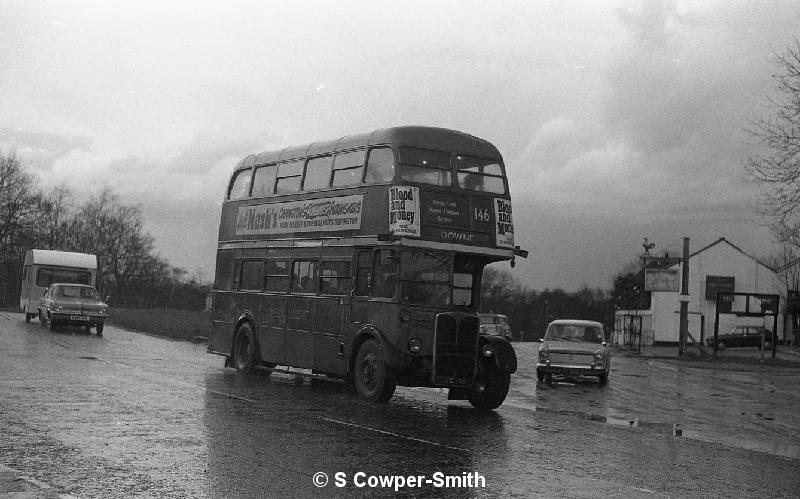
{"x": 135, "y": 415}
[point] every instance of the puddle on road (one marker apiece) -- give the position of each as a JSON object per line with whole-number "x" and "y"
{"x": 709, "y": 435}
{"x": 777, "y": 448}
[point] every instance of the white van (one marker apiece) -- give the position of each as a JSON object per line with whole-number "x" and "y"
{"x": 44, "y": 267}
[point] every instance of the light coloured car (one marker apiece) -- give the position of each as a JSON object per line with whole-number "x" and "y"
{"x": 75, "y": 304}
{"x": 574, "y": 348}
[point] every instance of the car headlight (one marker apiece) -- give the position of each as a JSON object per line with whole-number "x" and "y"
{"x": 598, "y": 355}
{"x": 59, "y": 307}
{"x": 544, "y": 353}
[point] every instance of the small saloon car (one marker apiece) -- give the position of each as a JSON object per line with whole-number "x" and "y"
{"x": 72, "y": 304}
{"x": 574, "y": 348}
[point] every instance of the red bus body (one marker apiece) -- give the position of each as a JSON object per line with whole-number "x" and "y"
{"x": 361, "y": 258}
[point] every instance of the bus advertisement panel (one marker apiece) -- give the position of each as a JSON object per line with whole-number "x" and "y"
{"x": 317, "y": 215}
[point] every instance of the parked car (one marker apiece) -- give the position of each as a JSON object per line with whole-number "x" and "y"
{"x": 495, "y": 324}
{"x": 742, "y": 336}
{"x": 574, "y": 348}
{"x": 76, "y": 304}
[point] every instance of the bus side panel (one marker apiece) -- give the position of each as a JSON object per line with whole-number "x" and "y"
{"x": 385, "y": 317}
{"x": 300, "y": 332}
{"x": 272, "y": 336}
{"x": 222, "y": 313}
{"x": 221, "y": 337}
{"x": 328, "y": 336}
{"x": 223, "y": 332}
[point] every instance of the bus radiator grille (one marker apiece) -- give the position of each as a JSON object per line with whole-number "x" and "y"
{"x": 456, "y": 346}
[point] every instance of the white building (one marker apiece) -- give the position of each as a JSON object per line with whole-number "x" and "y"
{"x": 720, "y": 266}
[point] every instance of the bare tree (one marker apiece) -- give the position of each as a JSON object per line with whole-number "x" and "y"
{"x": 17, "y": 198}
{"x": 778, "y": 167}
{"x": 115, "y": 232}
{"x": 787, "y": 267}
{"x": 55, "y": 212}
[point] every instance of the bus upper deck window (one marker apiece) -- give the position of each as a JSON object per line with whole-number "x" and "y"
{"x": 425, "y": 166}
{"x": 289, "y": 176}
{"x": 477, "y": 174}
{"x": 380, "y": 166}
{"x": 318, "y": 173}
{"x": 240, "y": 184}
{"x": 348, "y": 168}
{"x": 264, "y": 181}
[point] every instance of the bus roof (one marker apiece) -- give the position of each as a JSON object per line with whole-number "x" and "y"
{"x": 420, "y": 136}
{"x": 61, "y": 259}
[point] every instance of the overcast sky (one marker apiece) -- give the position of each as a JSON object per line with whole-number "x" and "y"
{"x": 617, "y": 120}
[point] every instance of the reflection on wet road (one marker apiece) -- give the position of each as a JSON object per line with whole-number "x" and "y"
{"x": 133, "y": 415}
{"x": 751, "y": 409}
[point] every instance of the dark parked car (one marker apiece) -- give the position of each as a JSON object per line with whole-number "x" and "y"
{"x": 76, "y": 304}
{"x": 742, "y": 336}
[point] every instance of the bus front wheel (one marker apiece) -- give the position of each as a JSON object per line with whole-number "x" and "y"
{"x": 371, "y": 378}
{"x": 246, "y": 353}
{"x": 490, "y": 389}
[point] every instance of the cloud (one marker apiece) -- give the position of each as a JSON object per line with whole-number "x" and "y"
{"x": 40, "y": 150}
{"x": 613, "y": 117}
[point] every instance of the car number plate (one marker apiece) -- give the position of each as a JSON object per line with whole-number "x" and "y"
{"x": 78, "y": 318}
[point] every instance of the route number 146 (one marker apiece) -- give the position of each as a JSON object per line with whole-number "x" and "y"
{"x": 482, "y": 214}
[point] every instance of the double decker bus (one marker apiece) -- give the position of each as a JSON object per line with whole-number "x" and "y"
{"x": 361, "y": 258}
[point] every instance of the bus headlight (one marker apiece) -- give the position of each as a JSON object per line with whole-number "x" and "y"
{"x": 415, "y": 345}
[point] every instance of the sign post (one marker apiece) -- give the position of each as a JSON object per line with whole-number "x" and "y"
{"x": 684, "y": 298}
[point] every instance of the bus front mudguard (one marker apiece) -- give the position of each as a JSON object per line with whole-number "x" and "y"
{"x": 499, "y": 350}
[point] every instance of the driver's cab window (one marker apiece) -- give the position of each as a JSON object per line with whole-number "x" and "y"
{"x": 464, "y": 277}
{"x": 363, "y": 273}
{"x": 384, "y": 283}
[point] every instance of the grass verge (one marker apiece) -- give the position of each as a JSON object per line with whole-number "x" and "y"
{"x": 179, "y": 324}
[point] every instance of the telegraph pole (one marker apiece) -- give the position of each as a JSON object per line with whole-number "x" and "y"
{"x": 684, "y": 299}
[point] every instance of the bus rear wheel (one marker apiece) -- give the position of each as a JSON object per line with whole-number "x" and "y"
{"x": 371, "y": 377}
{"x": 246, "y": 352}
{"x": 490, "y": 389}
